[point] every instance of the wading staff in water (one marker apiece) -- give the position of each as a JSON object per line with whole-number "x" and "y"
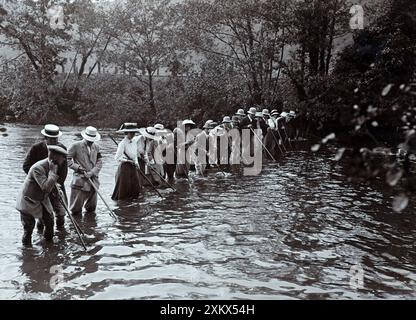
{"x": 139, "y": 170}
{"x": 77, "y": 228}
{"x": 261, "y": 142}
{"x": 95, "y": 187}
{"x": 162, "y": 178}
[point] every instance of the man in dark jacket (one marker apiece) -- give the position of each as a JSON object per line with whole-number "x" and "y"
{"x": 248, "y": 121}
{"x": 39, "y": 151}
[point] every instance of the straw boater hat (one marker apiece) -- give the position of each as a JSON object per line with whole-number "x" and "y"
{"x": 252, "y": 111}
{"x": 51, "y": 131}
{"x": 149, "y": 132}
{"x": 274, "y": 112}
{"x": 128, "y": 127}
{"x": 57, "y": 149}
{"x": 188, "y": 122}
{"x": 226, "y": 120}
{"x": 240, "y": 112}
{"x": 91, "y": 134}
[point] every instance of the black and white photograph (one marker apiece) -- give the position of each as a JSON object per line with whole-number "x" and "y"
{"x": 207, "y": 150}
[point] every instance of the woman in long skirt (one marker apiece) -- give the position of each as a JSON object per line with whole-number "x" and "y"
{"x": 128, "y": 182}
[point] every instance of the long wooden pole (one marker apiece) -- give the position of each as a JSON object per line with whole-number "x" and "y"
{"x": 76, "y": 226}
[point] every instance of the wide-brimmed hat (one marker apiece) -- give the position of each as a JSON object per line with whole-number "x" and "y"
{"x": 128, "y": 127}
{"x": 91, "y": 134}
{"x": 240, "y": 112}
{"x": 208, "y": 125}
{"x": 188, "y": 122}
{"x": 252, "y": 111}
{"x": 226, "y": 119}
{"x": 284, "y": 114}
{"x": 292, "y": 113}
{"x": 266, "y": 112}
{"x": 149, "y": 132}
{"x": 51, "y": 131}
{"x": 57, "y": 149}
{"x": 259, "y": 115}
{"x": 160, "y": 128}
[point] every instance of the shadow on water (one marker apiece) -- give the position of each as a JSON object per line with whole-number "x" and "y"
{"x": 292, "y": 232}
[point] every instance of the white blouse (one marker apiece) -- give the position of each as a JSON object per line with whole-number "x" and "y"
{"x": 128, "y": 147}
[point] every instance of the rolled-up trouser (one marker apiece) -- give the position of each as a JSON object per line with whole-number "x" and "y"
{"x": 80, "y": 198}
{"x": 28, "y": 223}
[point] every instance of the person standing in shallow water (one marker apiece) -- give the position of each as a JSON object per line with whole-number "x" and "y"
{"x": 39, "y": 151}
{"x": 183, "y": 141}
{"x": 33, "y": 201}
{"x": 85, "y": 159}
{"x": 154, "y": 165}
{"x": 128, "y": 182}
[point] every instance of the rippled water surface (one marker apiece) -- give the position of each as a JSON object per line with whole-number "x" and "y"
{"x": 294, "y": 232}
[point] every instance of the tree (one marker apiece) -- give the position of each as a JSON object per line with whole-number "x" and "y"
{"x": 144, "y": 30}
{"x": 239, "y": 32}
{"x": 29, "y": 27}
{"x": 313, "y": 27}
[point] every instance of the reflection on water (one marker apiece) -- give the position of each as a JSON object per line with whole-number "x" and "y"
{"x": 292, "y": 232}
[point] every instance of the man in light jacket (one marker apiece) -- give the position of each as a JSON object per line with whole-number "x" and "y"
{"x": 33, "y": 201}
{"x": 85, "y": 159}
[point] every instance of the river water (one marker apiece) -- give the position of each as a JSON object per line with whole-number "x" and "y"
{"x": 299, "y": 230}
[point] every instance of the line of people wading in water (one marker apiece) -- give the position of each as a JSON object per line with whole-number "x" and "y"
{"x": 151, "y": 156}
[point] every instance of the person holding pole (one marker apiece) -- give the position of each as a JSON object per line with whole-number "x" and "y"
{"x": 128, "y": 183}
{"x": 85, "y": 159}
{"x": 39, "y": 151}
{"x": 154, "y": 164}
{"x": 33, "y": 201}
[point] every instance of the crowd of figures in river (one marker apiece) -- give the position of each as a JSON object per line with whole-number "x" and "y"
{"x": 152, "y": 157}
